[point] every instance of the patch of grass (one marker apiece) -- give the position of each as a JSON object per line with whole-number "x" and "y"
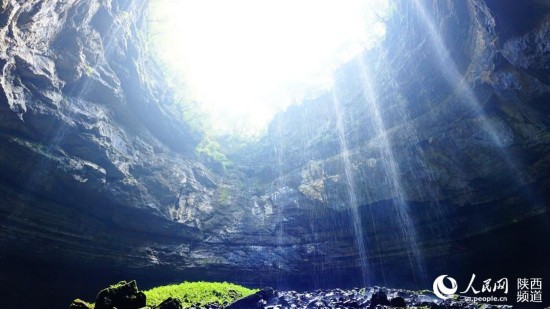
{"x": 190, "y": 293}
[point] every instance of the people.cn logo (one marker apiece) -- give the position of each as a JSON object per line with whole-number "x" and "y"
{"x": 441, "y": 290}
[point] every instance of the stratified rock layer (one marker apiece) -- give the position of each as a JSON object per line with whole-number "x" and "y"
{"x": 446, "y": 167}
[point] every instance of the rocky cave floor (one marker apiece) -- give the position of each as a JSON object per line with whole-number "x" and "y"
{"x": 127, "y": 296}
{"x": 375, "y": 297}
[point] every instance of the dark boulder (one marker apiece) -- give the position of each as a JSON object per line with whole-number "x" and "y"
{"x": 123, "y": 295}
{"x": 169, "y": 303}
{"x": 379, "y": 298}
{"x": 398, "y": 302}
{"x": 256, "y": 300}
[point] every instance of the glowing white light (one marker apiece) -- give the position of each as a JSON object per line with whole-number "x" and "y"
{"x": 245, "y": 60}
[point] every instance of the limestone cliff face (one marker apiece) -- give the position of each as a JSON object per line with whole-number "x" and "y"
{"x": 97, "y": 169}
{"x": 440, "y": 137}
{"x": 469, "y": 111}
{"x": 93, "y": 153}
{"x": 445, "y": 126}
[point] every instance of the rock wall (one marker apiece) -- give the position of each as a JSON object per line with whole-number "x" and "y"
{"x": 445, "y": 131}
{"x": 438, "y": 137}
{"x": 93, "y": 153}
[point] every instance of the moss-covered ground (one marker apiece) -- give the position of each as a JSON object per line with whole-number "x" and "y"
{"x": 191, "y": 293}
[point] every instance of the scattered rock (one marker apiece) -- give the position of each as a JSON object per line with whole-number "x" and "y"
{"x": 365, "y": 298}
{"x": 123, "y": 295}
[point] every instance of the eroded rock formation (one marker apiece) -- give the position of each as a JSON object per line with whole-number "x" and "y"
{"x": 98, "y": 170}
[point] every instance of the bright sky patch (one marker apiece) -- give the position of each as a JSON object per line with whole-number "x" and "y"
{"x": 242, "y": 61}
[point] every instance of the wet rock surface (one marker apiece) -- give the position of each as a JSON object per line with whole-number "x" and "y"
{"x": 366, "y": 298}
{"x": 98, "y": 169}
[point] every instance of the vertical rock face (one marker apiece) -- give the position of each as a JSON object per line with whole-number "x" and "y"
{"x": 439, "y": 138}
{"x": 93, "y": 155}
{"x": 445, "y": 125}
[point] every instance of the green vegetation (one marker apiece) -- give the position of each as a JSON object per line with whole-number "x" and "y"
{"x": 190, "y": 293}
{"x": 211, "y": 149}
{"x": 79, "y": 303}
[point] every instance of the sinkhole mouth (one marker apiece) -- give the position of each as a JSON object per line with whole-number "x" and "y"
{"x": 235, "y": 64}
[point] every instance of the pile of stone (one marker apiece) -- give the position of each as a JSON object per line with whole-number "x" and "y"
{"x": 366, "y": 298}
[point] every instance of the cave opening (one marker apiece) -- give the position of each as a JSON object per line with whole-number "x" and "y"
{"x": 236, "y": 64}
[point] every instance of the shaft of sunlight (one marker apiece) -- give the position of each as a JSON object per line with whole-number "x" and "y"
{"x": 350, "y": 181}
{"x": 451, "y": 73}
{"x": 392, "y": 171}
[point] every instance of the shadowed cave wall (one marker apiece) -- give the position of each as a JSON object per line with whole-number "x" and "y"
{"x": 100, "y": 182}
